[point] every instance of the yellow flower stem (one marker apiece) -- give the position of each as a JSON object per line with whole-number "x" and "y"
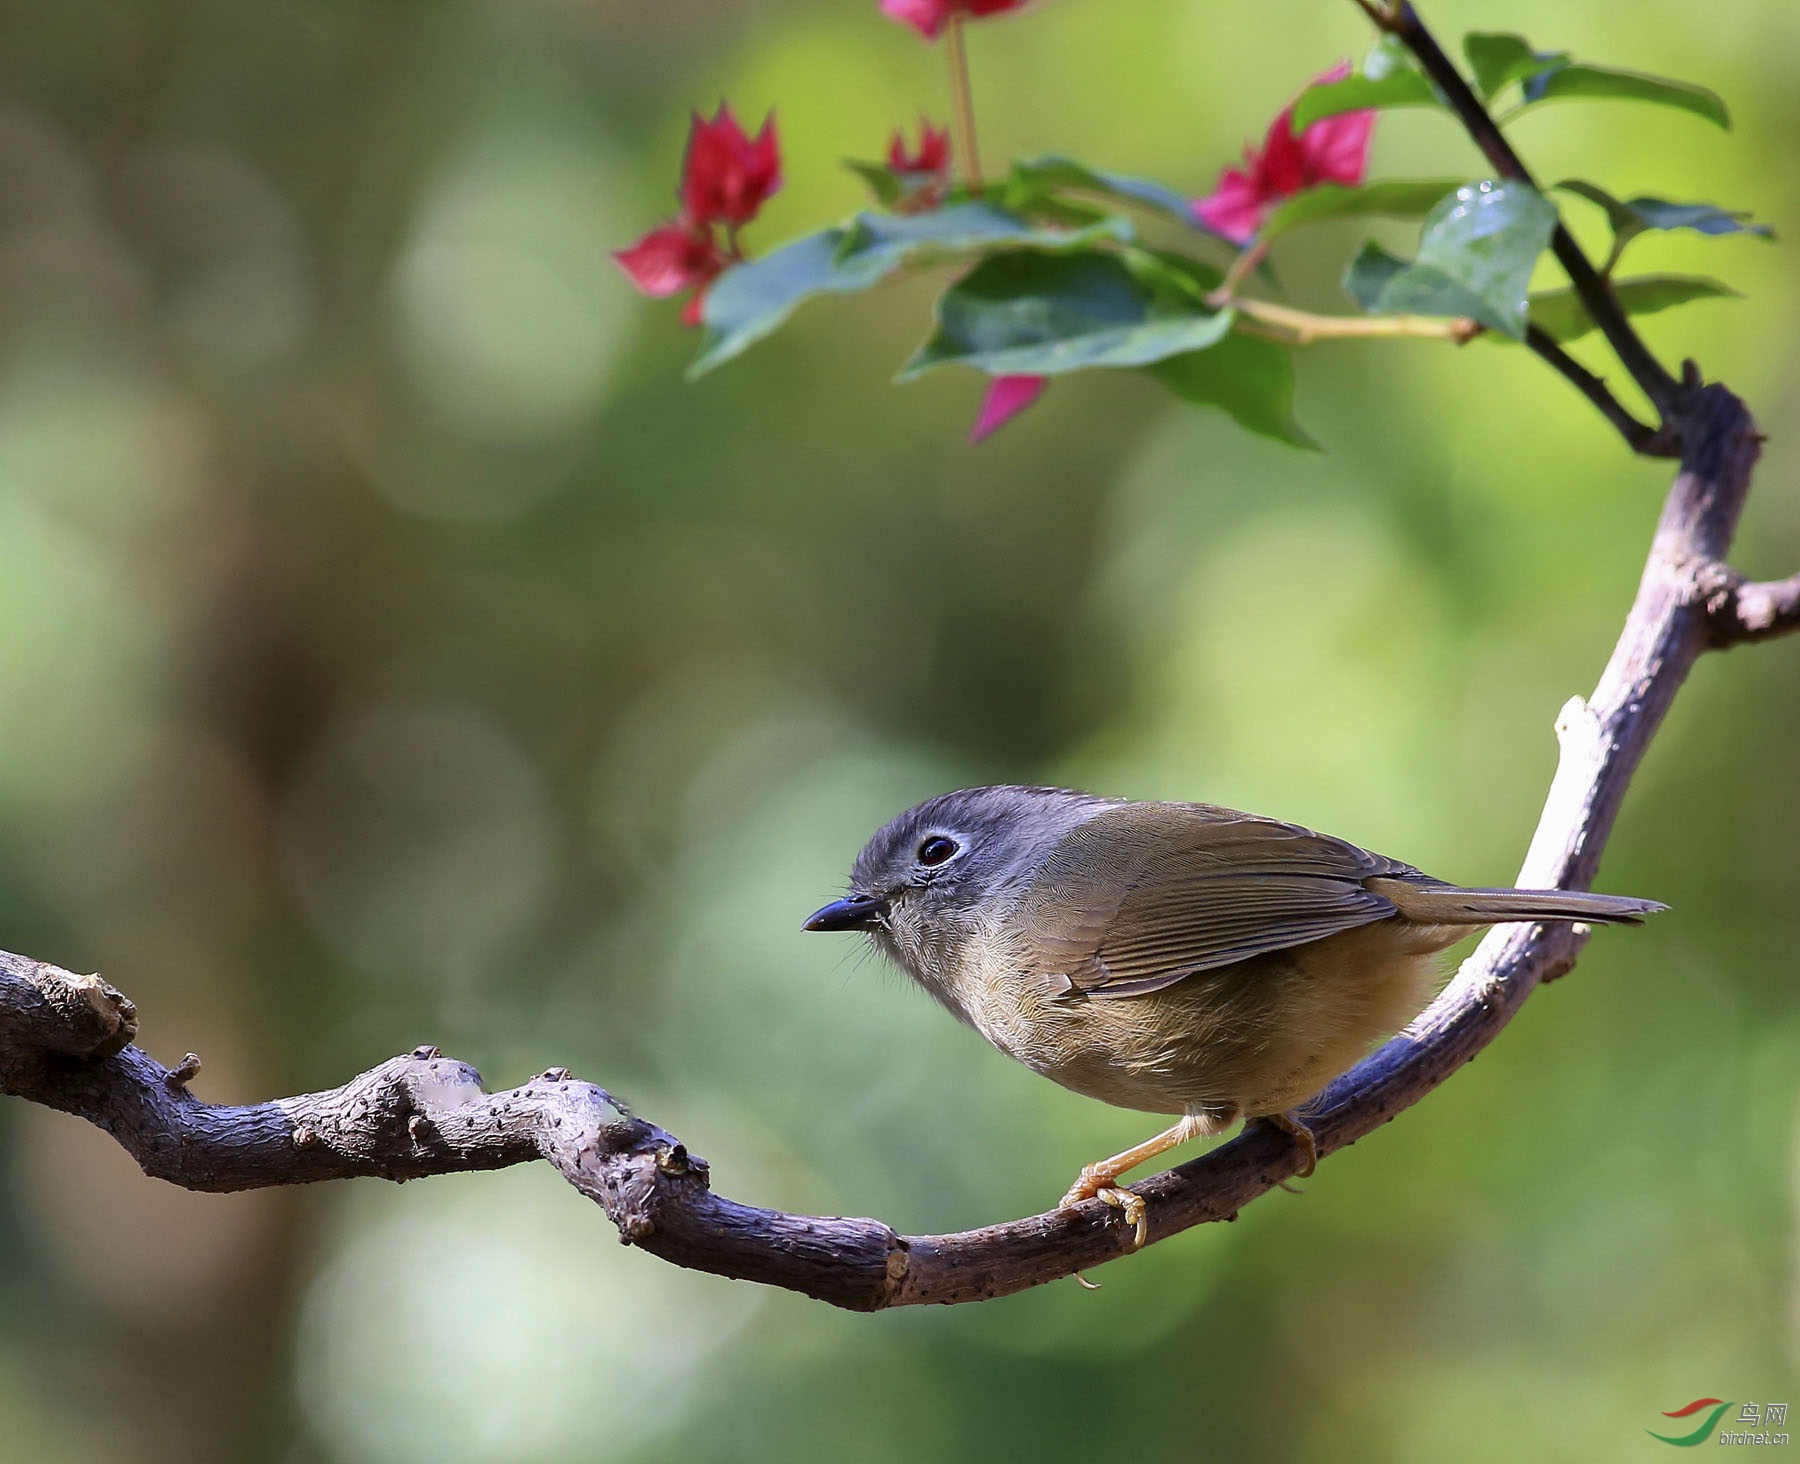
{"x": 1303, "y": 328}
{"x": 962, "y": 102}
{"x": 1247, "y": 259}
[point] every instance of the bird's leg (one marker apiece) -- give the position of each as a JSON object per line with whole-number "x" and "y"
{"x": 1102, "y": 1180}
{"x": 1290, "y": 1124}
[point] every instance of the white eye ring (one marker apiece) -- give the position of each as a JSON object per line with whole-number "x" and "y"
{"x": 936, "y": 849}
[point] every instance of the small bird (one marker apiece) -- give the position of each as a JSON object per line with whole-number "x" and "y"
{"x": 1168, "y": 957}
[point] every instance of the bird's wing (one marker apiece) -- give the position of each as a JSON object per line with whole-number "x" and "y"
{"x": 1144, "y": 895}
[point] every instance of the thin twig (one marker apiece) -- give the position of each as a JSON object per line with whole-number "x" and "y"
{"x": 1640, "y": 436}
{"x": 1753, "y": 610}
{"x": 1662, "y": 388}
{"x": 962, "y": 100}
{"x": 1304, "y": 328}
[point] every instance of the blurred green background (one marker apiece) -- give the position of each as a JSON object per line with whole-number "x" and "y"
{"x": 397, "y": 651}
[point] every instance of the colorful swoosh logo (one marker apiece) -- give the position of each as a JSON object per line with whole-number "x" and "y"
{"x": 1701, "y": 1434}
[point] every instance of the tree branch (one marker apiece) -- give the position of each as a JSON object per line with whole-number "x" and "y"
{"x": 1640, "y": 437}
{"x": 1664, "y": 391}
{"x": 63, "y": 1038}
{"x": 1739, "y": 610}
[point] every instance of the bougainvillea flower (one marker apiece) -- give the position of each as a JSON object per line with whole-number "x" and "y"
{"x": 923, "y": 174}
{"x": 931, "y": 156}
{"x": 1006, "y": 397}
{"x": 673, "y": 258}
{"x": 1332, "y": 150}
{"x": 929, "y": 17}
{"x": 727, "y": 175}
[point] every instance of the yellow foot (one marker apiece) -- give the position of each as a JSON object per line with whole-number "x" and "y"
{"x": 1303, "y": 1137}
{"x": 1098, "y": 1186}
{"x": 1136, "y": 1213}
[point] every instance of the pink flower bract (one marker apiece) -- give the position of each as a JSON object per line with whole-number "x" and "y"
{"x": 1006, "y": 397}
{"x": 673, "y": 258}
{"x": 1332, "y": 150}
{"x": 727, "y": 175}
{"x": 931, "y": 156}
{"x": 922, "y": 174}
{"x": 929, "y": 17}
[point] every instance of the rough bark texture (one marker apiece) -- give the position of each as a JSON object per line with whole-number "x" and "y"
{"x": 64, "y": 1038}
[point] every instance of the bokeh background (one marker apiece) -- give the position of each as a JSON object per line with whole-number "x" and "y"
{"x": 396, "y": 650}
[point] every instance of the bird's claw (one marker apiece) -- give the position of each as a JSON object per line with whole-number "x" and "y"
{"x": 1136, "y": 1213}
{"x": 1303, "y": 1138}
{"x": 1093, "y": 1186}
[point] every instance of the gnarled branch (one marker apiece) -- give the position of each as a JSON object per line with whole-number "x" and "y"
{"x": 1752, "y": 610}
{"x": 63, "y": 1037}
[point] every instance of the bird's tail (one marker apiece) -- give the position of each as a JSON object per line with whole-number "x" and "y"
{"x": 1448, "y": 905}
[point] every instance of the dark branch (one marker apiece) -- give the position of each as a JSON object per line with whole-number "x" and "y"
{"x": 1664, "y": 391}
{"x": 63, "y": 1037}
{"x": 1741, "y": 610}
{"x": 1641, "y": 437}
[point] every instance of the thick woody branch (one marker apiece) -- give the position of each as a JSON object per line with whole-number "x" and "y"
{"x": 1751, "y": 610}
{"x": 63, "y": 1037}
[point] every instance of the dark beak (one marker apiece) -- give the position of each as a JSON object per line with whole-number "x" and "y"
{"x": 854, "y": 912}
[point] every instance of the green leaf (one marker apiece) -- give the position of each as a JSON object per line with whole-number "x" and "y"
{"x": 1561, "y": 315}
{"x": 1599, "y": 82}
{"x": 1034, "y": 179}
{"x": 1026, "y": 313}
{"x": 1388, "y": 55}
{"x": 1633, "y": 216}
{"x": 1193, "y": 277}
{"x": 1360, "y": 93}
{"x": 751, "y": 300}
{"x": 1476, "y": 254}
{"x": 1397, "y": 198}
{"x": 1703, "y": 218}
{"x": 1499, "y": 58}
{"x": 959, "y": 228}
{"x": 1624, "y": 220}
{"x": 1068, "y": 212}
{"x": 1370, "y": 273}
{"x": 881, "y": 179}
{"x": 1250, "y": 379}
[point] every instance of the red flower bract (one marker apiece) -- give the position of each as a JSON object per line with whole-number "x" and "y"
{"x": 724, "y": 180}
{"x": 673, "y": 258}
{"x": 1332, "y": 150}
{"x": 929, "y": 17}
{"x": 1006, "y": 397}
{"x": 932, "y": 155}
{"x": 922, "y": 175}
{"x": 727, "y": 175}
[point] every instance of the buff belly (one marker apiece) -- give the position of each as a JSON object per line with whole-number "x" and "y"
{"x": 1258, "y": 1037}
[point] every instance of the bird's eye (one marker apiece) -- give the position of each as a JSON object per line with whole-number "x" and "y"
{"x": 936, "y": 850}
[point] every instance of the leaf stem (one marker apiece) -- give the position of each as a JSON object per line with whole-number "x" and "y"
{"x": 962, "y": 101}
{"x": 1640, "y": 437}
{"x": 1247, "y": 259}
{"x": 1303, "y": 327}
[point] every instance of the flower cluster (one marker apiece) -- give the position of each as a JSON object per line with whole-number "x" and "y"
{"x": 727, "y": 175}
{"x": 725, "y": 178}
{"x": 929, "y": 17}
{"x": 922, "y": 173}
{"x": 1332, "y": 150}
